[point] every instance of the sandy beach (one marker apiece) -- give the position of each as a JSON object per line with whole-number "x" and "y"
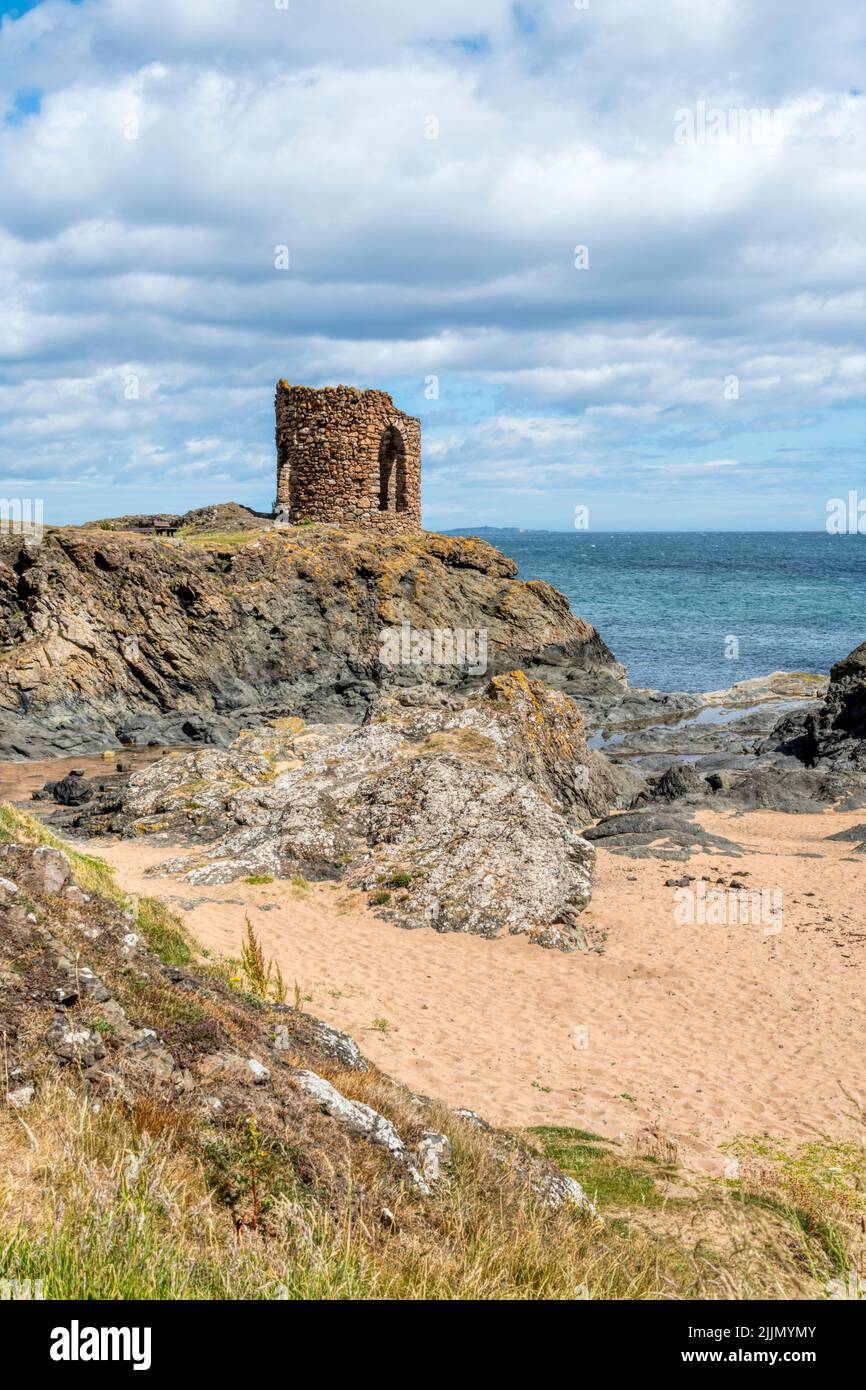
{"x": 700, "y": 1033}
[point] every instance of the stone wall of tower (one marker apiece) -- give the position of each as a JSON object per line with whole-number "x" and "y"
{"x": 349, "y": 457}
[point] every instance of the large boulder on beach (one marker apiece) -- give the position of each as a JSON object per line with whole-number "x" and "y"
{"x": 838, "y": 729}
{"x": 460, "y": 813}
{"x": 833, "y": 736}
{"x": 72, "y": 790}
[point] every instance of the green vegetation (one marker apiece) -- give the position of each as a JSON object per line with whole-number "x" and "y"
{"x": 164, "y": 932}
{"x": 819, "y": 1189}
{"x": 91, "y": 874}
{"x": 151, "y": 1204}
{"x": 264, "y": 977}
{"x": 259, "y": 878}
{"x": 401, "y": 879}
{"x": 606, "y": 1177}
{"x": 102, "y": 1027}
{"x": 218, "y": 540}
{"x": 149, "y": 1198}
{"x": 809, "y": 1199}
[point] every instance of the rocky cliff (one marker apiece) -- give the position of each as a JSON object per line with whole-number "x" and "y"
{"x": 462, "y": 814}
{"x": 109, "y": 636}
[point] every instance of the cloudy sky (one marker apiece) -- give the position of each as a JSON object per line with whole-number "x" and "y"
{"x": 544, "y": 227}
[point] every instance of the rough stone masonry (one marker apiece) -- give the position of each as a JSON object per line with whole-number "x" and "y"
{"x": 348, "y": 457}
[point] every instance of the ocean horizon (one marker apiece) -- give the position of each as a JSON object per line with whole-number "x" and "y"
{"x": 698, "y": 610}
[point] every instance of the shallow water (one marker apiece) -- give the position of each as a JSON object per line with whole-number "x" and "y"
{"x": 19, "y": 780}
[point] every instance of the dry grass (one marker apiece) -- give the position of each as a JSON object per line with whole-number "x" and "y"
{"x": 125, "y": 1203}
{"x": 142, "y": 1199}
{"x": 130, "y": 1203}
{"x": 218, "y": 540}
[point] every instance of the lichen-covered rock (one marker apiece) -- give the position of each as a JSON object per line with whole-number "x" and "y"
{"x": 337, "y": 1045}
{"x": 50, "y": 870}
{"x": 358, "y": 1118}
{"x": 557, "y": 1189}
{"x": 471, "y": 1117}
{"x": 434, "y": 1154}
{"x": 74, "y": 1044}
{"x": 20, "y": 1097}
{"x": 480, "y": 852}
{"x": 460, "y": 814}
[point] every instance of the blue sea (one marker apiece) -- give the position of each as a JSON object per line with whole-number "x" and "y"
{"x": 666, "y": 604}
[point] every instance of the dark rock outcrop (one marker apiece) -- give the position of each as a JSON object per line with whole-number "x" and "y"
{"x": 680, "y": 780}
{"x": 830, "y": 740}
{"x": 111, "y": 637}
{"x": 72, "y": 790}
{"x": 838, "y": 730}
{"x": 654, "y": 834}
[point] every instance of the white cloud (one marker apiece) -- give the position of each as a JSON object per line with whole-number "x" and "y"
{"x": 178, "y": 145}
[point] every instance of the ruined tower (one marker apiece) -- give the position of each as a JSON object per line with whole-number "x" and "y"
{"x": 348, "y": 457}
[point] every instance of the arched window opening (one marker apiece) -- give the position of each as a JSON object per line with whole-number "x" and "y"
{"x": 392, "y": 471}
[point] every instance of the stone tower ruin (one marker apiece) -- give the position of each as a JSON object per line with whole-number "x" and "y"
{"x": 346, "y": 456}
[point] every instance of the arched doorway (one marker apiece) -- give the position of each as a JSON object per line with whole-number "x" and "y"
{"x": 392, "y": 471}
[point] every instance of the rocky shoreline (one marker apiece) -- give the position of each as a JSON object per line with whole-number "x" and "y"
{"x": 110, "y": 638}
{"x": 462, "y": 798}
